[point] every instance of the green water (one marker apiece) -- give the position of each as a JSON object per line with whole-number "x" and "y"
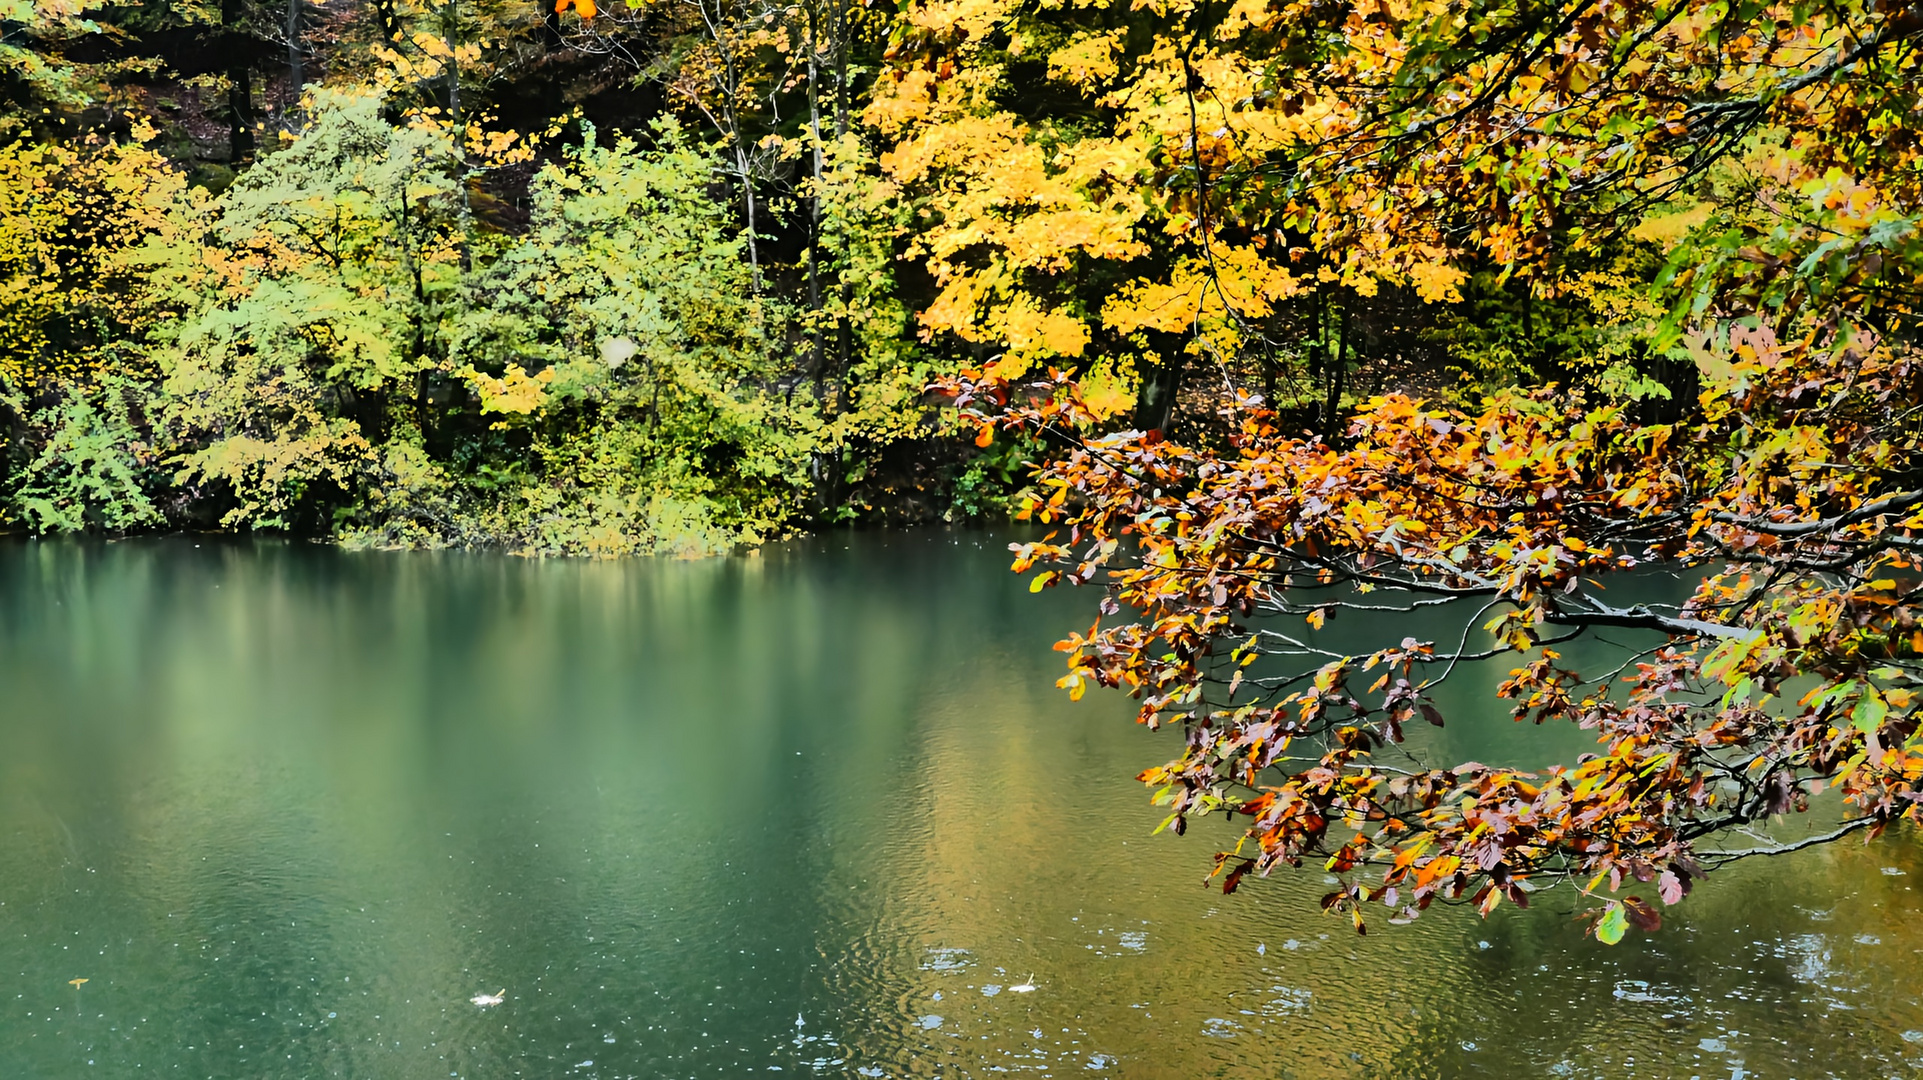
{"x": 287, "y": 809}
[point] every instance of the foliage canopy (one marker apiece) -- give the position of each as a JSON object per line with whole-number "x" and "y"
{"x": 1769, "y": 152}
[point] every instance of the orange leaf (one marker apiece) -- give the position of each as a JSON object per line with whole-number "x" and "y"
{"x": 983, "y": 437}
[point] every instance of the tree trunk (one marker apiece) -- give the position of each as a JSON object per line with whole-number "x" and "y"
{"x": 841, "y": 68}
{"x": 818, "y": 362}
{"x": 1338, "y": 367}
{"x": 240, "y": 88}
{"x": 1161, "y": 385}
{"x": 295, "y": 75}
{"x": 450, "y": 36}
{"x": 746, "y": 169}
{"x": 1318, "y": 342}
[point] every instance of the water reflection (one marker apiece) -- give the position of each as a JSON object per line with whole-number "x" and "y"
{"x": 289, "y": 809}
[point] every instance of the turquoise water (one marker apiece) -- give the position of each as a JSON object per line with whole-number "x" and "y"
{"x": 287, "y": 809}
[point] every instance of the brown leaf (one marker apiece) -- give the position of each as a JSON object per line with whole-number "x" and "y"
{"x": 1235, "y": 876}
{"x": 1641, "y": 915}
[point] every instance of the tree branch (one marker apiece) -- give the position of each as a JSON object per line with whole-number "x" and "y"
{"x": 1721, "y": 857}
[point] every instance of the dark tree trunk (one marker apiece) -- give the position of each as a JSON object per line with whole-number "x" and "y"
{"x": 1338, "y": 367}
{"x": 1161, "y": 385}
{"x": 240, "y": 89}
{"x": 295, "y": 73}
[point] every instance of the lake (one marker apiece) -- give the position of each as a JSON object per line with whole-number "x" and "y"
{"x": 820, "y": 810}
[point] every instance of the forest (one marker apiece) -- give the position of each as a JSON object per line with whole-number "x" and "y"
{"x": 687, "y": 274}
{"x": 1272, "y": 309}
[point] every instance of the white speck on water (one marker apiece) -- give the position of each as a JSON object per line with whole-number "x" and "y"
{"x": 937, "y": 995}
{"x": 930, "y": 1022}
{"x": 1216, "y": 1027}
{"x": 1868, "y": 939}
{"x": 1484, "y": 945}
{"x": 991, "y": 991}
{"x": 1261, "y": 949}
{"x": 1892, "y": 871}
{"x": 1291, "y": 944}
{"x": 1714, "y": 1046}
{"x": 946, "y": 960}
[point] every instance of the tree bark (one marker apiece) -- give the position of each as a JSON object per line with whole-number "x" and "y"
{"x": 1338, "y": 367}
{"x": 296, "y": 76}
{"x": 240, "y": 88}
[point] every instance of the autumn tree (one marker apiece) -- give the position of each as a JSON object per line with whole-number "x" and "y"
{"x": 1768, "y": 154}
{"x": 75, "y": 224}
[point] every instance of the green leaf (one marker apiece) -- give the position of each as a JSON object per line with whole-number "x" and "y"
{"x": 1869, "y": 712}
{"x": 1613, "y": 925}
{"x": 1738, "y": 692}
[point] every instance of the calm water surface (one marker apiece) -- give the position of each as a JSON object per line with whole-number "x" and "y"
{"x": 286, "y": 809}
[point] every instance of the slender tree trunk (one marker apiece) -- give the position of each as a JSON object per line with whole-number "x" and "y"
{"x": 1155, "y": 410}
{"x": 1318, "y": 340}
{"x": 826, "y": 463}
{"x": 745, "y": 168}
{"x": 844, "y": 333}
{"x": 1528, "y": 324}
{"x": 450, "y": 36}
{"x": 240, "y": 89}
{"x": 1338, "y": 367}
{"x": 814, "y": 201}
{"x": 296, "y": 77}
{"x": 240, "y": 115}
{"x": 730, "y": 124}
{"x": 840, "y": 24}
